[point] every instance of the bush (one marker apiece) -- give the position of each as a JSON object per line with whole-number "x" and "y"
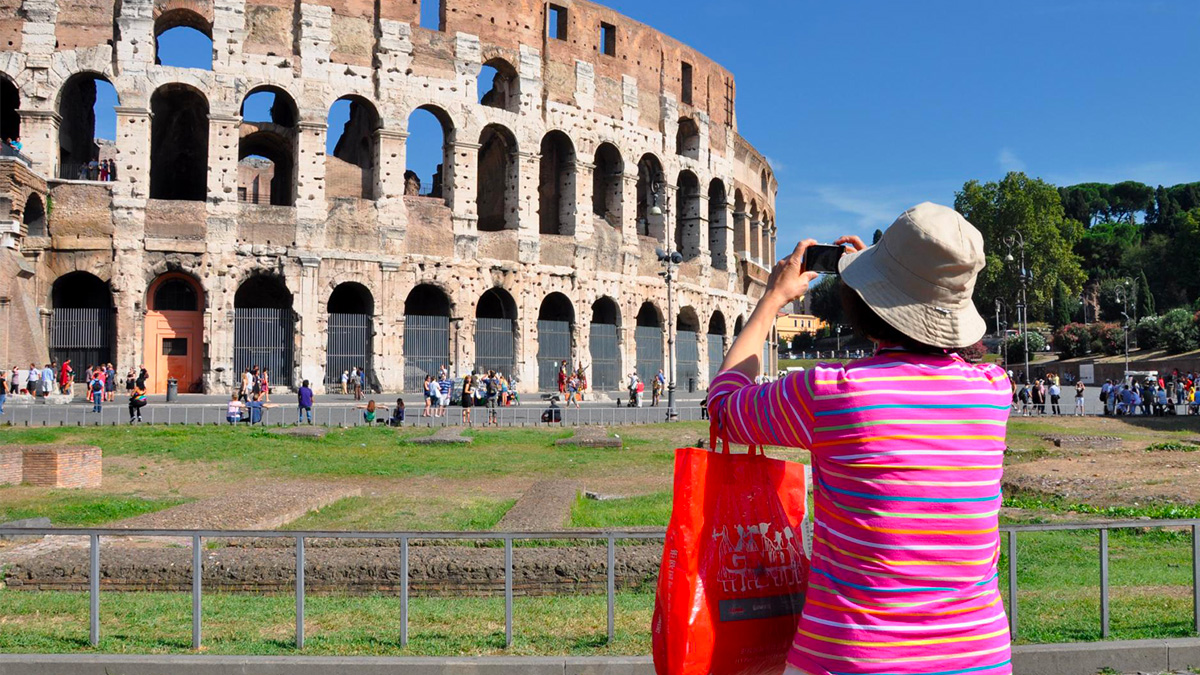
{"x": 1178, "y": 332}
{"x": 1014, "y": 347}
{"x": 974, "y": 353}
{"x": 1073, "y": 339}
{"x": 1108, "y": 338}
{"x": 1149, "y": 332}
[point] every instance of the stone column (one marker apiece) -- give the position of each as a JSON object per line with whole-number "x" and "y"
{"x": 528, "y": 244}
{"x": 310, "y": 173}
{"x": 581, "y": 220}
{"x": 464, "y": 207}
{"x": 311, "y": 358}
{"x": 133, "y": 150}
{"x": 39, "y": 136}
{"x": 741, "y": 230}
{"x": 219, "y": 330}
{"x": 389, "y": 330}
{"x": 389, "y": 188}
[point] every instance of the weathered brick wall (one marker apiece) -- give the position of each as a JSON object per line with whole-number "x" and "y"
{"x": 61, "y": 466}
{"x": 10, "y": 465}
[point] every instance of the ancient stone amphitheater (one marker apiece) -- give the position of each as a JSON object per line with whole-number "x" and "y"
{"x": 207, "y": 236}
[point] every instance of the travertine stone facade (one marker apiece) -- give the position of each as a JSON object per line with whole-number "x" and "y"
{"x": 718, "y": 193}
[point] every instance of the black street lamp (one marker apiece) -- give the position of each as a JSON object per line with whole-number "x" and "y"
{"x": 1015, "y": 239}
{"x": 1126, "y": 287}
{"x": 670, "y": 260}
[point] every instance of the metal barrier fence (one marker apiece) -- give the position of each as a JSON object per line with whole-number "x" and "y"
{"x": 197, "y": 537}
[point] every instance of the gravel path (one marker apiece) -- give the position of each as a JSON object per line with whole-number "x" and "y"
{"x": 546, "y": 505}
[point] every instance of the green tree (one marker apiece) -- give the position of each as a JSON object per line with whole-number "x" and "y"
{"x": 1145, "y": 299}
{"x": 1033, "y": 208}
{"x": 1129, "y": 198}
{"x": 1064, "y": 306}
{"x": 826, "y": 300}
{"x": 876, "y": 237}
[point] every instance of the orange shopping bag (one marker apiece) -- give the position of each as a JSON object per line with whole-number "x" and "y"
{"x": 734, "y": 571}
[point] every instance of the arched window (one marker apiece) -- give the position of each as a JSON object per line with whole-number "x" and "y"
{"x": 350, "y": 333}
{"x": 178, "y": 144}
{"x": 499, "y": 86}
{"x": 607, "y": 184}
{"x": 429, "y": 152}
{"x": 495, "y": 332}
{"x": 497, "y": 180}
{"x": 604, "y": 343}
{"x": 82, "y": 328}
{"x": 264, "y": 328}
{"x": 426, "y": 334}
{"x": 717, "y": 224}
{"x": 556, "y": 323}
{"x": 175, "y": 295}
{"x": 756, "y": 251}
{"x": 687, "y": 348}
{"x": 687, "y": 220}
{"x": 183, "y": 38}
{"x": 556, "y": 185}
{"x": 268, "y": 147}
{"x": 648, "y": 339}
{"x": 687, "y": 139}
{"x": 716, "y": 343}
{"x": 766, "y": 183}
{"x": 351, "y": 149}
{"x": 33, "y": 216}
{"x": 10, "y": 103}
{"x": 88, "y": 131}
{"x": 649, "y": 197}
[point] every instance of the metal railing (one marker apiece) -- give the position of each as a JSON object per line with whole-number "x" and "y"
{"x": 197, "y": 537}
{"x": 7, "y": 150}
{"x": 1103, "y": 528}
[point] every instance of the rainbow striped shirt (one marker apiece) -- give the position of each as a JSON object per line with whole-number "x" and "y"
{"x": 907, "y": 451}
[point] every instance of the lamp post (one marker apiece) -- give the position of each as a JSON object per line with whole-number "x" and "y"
{"x": 1016, "y": 239}
{"x": 1123, "y": 291}
{"x": 670, "y": 260}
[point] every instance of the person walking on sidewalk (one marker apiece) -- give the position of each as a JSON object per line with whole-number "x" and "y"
{"x": 304, "y": 402}
{"x": 906, "y": 495}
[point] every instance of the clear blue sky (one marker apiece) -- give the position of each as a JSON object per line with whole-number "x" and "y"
{"x": 866, "y": 108}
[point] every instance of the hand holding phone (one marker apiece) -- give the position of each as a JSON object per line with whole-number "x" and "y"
{"x": 823, "y": 258}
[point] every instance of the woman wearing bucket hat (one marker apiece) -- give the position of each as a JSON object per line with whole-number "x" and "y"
{"x": 907, "y": 448}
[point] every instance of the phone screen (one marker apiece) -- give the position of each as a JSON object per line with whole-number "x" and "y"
{"x": 822, "y": 258}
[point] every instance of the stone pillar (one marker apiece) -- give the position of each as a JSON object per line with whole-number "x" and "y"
{"x": 756, "y": 241}
{"x": 311, "y": 358}
{"x": 464, "y": 206}
{"x": 39, "y": 136}
{"x": 389, "y": 188}
{"x": 528, "y": 243}
{"x": 218, "y": 331}
{"x": 741, "y": 234}
{"x": 310, "y": 172}
{"x": 462, "y": 342}
{"x": 223, "y": 141}
{"x": 389, "y": 330}
{"x": 724, "y": 233}
{"x": 133, "y": 150}
{"x": 702, "y": 225}
{"x": 582, "y": 219}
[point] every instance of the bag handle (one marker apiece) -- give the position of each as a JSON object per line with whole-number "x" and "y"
{"x": 712, "y": 442}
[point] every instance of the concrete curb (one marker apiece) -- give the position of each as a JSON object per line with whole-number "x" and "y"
{"x": 1082, "y": 658}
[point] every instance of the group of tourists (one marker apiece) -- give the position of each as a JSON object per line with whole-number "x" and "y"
{"x": 104, "y": 170}
{"x": 255, "y": 385}
{"x": 1030, "y": 398}
{"x": 572, "y": 384}
{"x": 353, "y": 382}
{"x": 637, "y": 388}
{"x": 1173, "y": 394}
{"x": 490, "y": 390}
{"x": 14, "y": 143}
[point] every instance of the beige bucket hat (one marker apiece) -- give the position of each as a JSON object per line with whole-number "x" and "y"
{"x": 920, "y": 277}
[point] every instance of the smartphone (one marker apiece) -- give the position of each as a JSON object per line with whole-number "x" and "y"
{"x": 823, "y": 258}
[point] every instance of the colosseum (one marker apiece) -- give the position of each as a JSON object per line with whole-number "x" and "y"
{"x": 210, "y": 234}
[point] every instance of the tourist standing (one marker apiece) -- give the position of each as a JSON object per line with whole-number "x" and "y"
{"x": 468, "y": 400}
{"x": 304, "y": 397}
{"x": 445, "y": 385}
{"x": 345, "y": 380}
{"x": 14, "y": 381}
{"x": 562, "y": 377}
{"x": 247, "y": 385}
{"x": 3, "y": 391}
{"x": 492, "y": 391}
{"x": 130, "y": 381}
{"x": 47, "y": 380}
{"x": 656, "y": 388}
{"x": 1080, "y": 390}
{"x": 1055, "y": 396}
{"x": 96, "y": 385}
{"x": 65, "y": 373}
{"x": 137, "y": 401}
{"x": 110, "y": 383}
{"x": 264, "y": 384}
{"x": 356, "y": 383}
{"x": 427, "y": 390}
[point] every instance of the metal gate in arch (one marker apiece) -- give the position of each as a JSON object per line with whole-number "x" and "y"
{"x": 649, "y": 345}
{"x": 716, "y": 354}
{"x": 348, "y": 345}
{"x": 426, "y": 348}
{"x": 495, "y": 346}
{"x": 264, "y": 337}
{"x": 687, "y": 353}
{"x": 605, "y": 348}
{"x": 554, "y": 347}
{"x": 84, "y": 335}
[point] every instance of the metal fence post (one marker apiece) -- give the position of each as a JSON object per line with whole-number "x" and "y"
{"x": 611, "y": 591}
{"x": 94, "y": 590}
{"x": 299, "y": 592}
{"x": 1196, "y": 576}
{"x": 403, "y": 591}
{"x": 1012, "y": 584}
{"x": 1103, "y": 583}
{"x": 508, "y": 592}
{"x": 197, "y": 577}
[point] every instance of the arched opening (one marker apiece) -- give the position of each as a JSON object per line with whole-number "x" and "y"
{"x": 496, "y": 179}
{"x": 10, "y": 119}
{"x": 687, "y": 139}
{"x": 264, "y": 328}
{"x": 351, "y": 149}
{"x": 740, "y": 234}
{"x": 687, "y": 220}
{"x": 649, "y": 187}
{"x": 737, "y": 326}
{"x": 183, "y": 38}
{"x": 648, "y": 342}
{"x": 174, "y": 333}
{"x": 768, "y": 251}
{"x": 556, "y": 185}
{"x": 350, "y": 334}
{"x": 498, "y": 85}
{"x": 82, "y": 327}
{"x": 766, "y": 183}
{"x": 495, "y": 332}
{"x": 429, "y": 150}
{"x": 687, "y": 349}
{"x": 607, "y": 188}
{"x": 755, "y": 234}
{"x": 426, "y": 334}
{"x": 716, "y": 344}
{"x": 87, "y": 133}
{"x": 556, "y": 323}
{"x": 33, "y": 216}
{"x": 718, "y": 225}
{"x": 268, "y": 148}
{"x": 604, "y": 345}
{"x": 178, "y": 144}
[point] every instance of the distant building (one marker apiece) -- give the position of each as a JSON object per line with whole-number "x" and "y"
{"x": 788, "y": 324}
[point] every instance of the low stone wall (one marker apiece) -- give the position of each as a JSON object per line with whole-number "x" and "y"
{"x": 61, "y": 466}
{"x": 11, "y": 465}
{"x": 433, "y": 570}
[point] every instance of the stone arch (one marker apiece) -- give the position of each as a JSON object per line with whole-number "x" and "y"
{"x": 687, "y": 348}
{"x": 175, "y": 292}
{"x": 608, "y": 187}
{"x": 352, "y": 155}
{"x": 715, "y": 340}
{"x": 10, "y": 103}
{"x": 556, "y": 331}
{"x": 604, "y": 344}
{"x": 556, "y": 185}
{"x": 499, "y": 85}
{"x": 687, "y": 215}
{"x": 183, "y": 38}
{"x": 496, "y": 331}
{"x": 648, "y": 341}
{"x": 687, "y": 139}
{"x": 268, "y": 147}
{"x": 437, "y": 186}
{"x": 33, "y": 216}
{"x": 765, "y": 183}
{"x": 82, "y": 325}
{"x": 717, "y": 224}
{"x": 427, "y": 310}
{"x": 649, "y": 187}
{"x": 178, "y": 143}
{"x": 264, "y": 327}
{"x": 174, "y": 332}
{"x": 350, "y": 333}
{"x": 756, "y": 252}
{"x": 740, "y": 233}
{"x": 78, "y": 100}
{"x": 497, "y": 179}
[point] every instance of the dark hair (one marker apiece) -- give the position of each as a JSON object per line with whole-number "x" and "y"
{"x": 868, "y": 324}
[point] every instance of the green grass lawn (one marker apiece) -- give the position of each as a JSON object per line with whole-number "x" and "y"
{"x": 644, "y": 510}
{"x": 399, "y": 512}
{"x": 78, "y": 508}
